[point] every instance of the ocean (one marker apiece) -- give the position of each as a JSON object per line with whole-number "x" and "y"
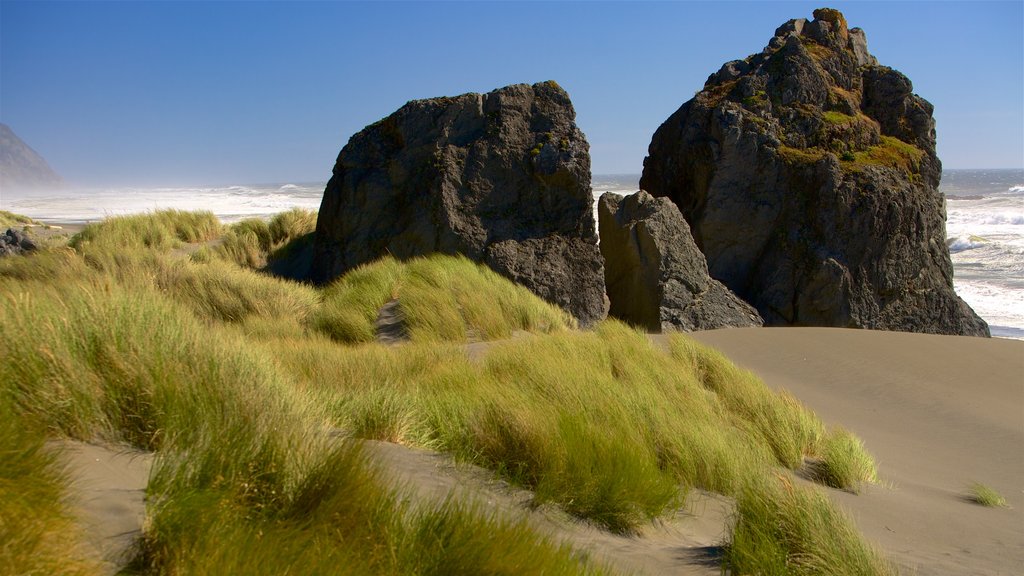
{"x": 984, "y": 225}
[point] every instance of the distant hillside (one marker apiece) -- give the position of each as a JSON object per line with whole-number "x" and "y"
{"x": 21, "y": 166}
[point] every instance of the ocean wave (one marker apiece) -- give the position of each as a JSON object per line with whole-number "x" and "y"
{"x": 959, "y": 244}
{"x": 1016, "y": 189}
{"x": 992, "y": 301}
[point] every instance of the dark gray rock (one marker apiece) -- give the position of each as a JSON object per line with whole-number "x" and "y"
{"x": 810, "y": 183}
{"x": 15, "y": 242}
{"x": 502, "y": 178}
{"x": 655, "y": 275}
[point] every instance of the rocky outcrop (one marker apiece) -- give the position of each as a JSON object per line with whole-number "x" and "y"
{"x": 655, "y": 275}
{"x": 808, "y": 175}
{"x": 15, "y": 242}
{"x": 502, "y": 178}
{"x": 21, "y": 167}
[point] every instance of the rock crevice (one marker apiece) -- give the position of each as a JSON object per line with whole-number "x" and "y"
{"x": 655, "y": 275}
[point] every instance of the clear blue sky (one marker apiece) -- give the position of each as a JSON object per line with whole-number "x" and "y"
{"x": 172, "y": 93}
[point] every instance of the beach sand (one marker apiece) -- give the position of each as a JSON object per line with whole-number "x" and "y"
{"x": 938, "y": 413}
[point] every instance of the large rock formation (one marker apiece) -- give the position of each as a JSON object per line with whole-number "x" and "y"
{"x": 655, "y": 275}
{"x": 21, "y": 167}
{"x": 809, "y": 178}
{"x": 502, "y": 178}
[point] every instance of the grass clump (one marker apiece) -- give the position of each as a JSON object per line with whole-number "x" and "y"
{"x": 451, "y": 298}
{"x": 890, "y": 152}
{"x": 843, "y": 463}
{"x": 784, "y": 529}
{"x": 255, "y": 242}
{"x": 12, "y": 220}
{"x": 985, "y": 496}
{"x": 800, "y": 156}
{"x": 161, "y": 230}
{"x": 838, "y": 118}
{"x": 440, "y": 299}
{"x": 351, "y": 303}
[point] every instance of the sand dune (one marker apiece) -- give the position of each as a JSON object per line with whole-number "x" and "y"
{"x": 938, "y": 412}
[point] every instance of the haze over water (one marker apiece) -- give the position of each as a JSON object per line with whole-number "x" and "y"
{"x": 984, "y": 225}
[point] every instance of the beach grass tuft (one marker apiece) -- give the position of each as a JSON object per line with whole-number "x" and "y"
{"x": 12, "y": 220}
{"x": 985, "y": 496}
{"x": 440, "y": 299}
{"x": 781, "y": 528}
{"x": 843, "y": 462}
{"x": 162, "y": 230}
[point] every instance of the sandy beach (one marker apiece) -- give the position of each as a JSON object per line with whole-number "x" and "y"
{"x": 938, "y": 413}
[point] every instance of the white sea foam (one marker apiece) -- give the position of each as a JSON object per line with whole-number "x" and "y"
{"x": 229, "y": 203}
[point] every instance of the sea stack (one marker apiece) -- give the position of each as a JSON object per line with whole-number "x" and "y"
{"x": 502, "y": 178}
{"x": 808, "y": 175}
{"x": 656, "y": 276}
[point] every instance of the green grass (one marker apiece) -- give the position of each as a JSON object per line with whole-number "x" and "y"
{"x": 12, "y": 220}
{"x": 163, "y": 229}
{"x": 800, "y": 156}
{"x": 236, "y": 378}
{"x": 604, "y": 424}
{"x": 441, "y": 299}
{"x": 890, "y": 152}
{"x": 782, "y": 529}
{"x": 838, "y": 118}
{"x": 255, "y": 242}
{"x": 985, "y": 496}
{"x": 844, "y": 462}
{"x": 235, "y": 440}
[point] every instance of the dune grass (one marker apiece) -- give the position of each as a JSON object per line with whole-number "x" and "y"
{"x": 234, "y": 440}
{"x": 162, "y": 229}
{"x": 351, "y": 303}
{"x": 784, "y": 529}
{"x": 604, "y": 424}
{"x": 235, "y": 378}
{"x": 255, "y": 242}
{"x": 844, "y": 462}
{"x": 440, "y": 298}
{"x": 12, "y": 220}
{"x": 985, "y": 496}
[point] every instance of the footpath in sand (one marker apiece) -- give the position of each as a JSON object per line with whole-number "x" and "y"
{"x": 937, "y": 412}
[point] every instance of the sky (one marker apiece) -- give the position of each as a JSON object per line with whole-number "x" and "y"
{"x": 221, "y": 93}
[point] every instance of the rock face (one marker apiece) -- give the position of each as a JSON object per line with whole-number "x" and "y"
{"x": 656, "y": 276}
{"x": 21, "y": 167}
{"x": 809, "y": 178}
{"x": 502, "y": 178}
